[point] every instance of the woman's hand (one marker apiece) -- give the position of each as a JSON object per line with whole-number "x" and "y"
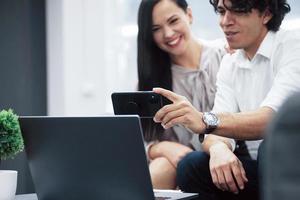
{"x": 226, "y": 169}
{"x": 181, "y": 111}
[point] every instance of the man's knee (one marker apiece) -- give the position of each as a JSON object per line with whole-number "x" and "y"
{"x": 193, "y": 161}
{"x": 190, "y": 168}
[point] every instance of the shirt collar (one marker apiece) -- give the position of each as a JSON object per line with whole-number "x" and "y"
{"x": 266, "y": 47}
{"x": 265, "y": 50}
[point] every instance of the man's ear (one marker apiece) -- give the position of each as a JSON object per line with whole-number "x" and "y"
{"x": 267, "y": 16}
{"x": 189, "y": 14}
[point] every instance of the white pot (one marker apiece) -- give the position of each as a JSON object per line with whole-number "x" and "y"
{"x": 8, "y": 184}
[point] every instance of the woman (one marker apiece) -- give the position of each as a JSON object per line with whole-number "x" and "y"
{"x": 169, "y": 56}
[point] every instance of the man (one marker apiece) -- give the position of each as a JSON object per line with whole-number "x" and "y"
{"x": 252, "y": 84}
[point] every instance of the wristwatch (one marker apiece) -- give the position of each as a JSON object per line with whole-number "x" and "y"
{"x": 211, "y": 121}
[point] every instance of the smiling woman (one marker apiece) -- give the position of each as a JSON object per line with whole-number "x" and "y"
{"x": 171, "y": 29}
{"x": 170, "y": 56}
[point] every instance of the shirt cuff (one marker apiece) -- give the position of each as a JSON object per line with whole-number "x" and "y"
{"x": 232, "y": 142}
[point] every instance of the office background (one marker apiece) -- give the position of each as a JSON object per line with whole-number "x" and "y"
{"x": 65, "y": 57}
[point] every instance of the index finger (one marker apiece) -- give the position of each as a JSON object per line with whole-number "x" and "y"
{"x": 167, "y": 93}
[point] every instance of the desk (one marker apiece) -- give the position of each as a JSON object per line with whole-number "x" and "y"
{"x": 26, "y": 197}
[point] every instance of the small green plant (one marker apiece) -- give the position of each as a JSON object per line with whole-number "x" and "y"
{"x": 11, "y": 141}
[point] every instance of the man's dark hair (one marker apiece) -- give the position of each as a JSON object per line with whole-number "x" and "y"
{"x": 278, "y": 8}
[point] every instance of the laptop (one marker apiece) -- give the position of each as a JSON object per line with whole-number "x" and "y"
{"x": 89, "y": 158}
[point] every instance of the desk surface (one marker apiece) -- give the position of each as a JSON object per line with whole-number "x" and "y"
{"x": 27, "y": 197}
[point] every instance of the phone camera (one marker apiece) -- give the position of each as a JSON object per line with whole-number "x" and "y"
{"x": 154, "y": 99}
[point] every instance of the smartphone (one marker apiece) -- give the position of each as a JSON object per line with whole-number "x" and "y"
{"x": 142, "y": 103}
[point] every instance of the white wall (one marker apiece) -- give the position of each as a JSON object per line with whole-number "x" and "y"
{"x": 79, "y": 53}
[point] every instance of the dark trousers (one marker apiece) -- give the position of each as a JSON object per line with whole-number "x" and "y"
{"x": 193, "y": 175}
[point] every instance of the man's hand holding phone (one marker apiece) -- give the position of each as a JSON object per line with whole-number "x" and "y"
{"x": 181, "y": 111}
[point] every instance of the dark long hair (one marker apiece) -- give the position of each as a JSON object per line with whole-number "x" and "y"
{"x": 278, "y": 8}
{"x": 154, "y": 64}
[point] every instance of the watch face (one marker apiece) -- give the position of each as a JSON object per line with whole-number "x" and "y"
{"x": 211, "y": 119}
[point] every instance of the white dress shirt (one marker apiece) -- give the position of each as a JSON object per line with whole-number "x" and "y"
{"x": 266, "y": 80}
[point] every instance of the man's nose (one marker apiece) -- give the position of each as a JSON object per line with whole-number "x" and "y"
{"x": 227, "y": 19}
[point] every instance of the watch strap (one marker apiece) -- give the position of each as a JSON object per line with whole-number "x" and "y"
{"x": 209, "y": 130}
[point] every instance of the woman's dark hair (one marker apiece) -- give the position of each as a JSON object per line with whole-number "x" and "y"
{"x": 154, "y": 65}
{"x": 278, "y": 8}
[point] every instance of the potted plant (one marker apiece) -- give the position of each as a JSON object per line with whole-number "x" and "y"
{"x": 11, "y": 143}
